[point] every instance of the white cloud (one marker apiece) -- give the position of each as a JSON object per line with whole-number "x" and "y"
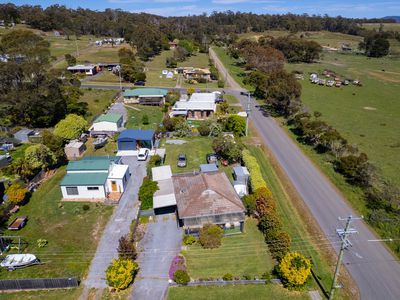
{"x": 171, "y": 10}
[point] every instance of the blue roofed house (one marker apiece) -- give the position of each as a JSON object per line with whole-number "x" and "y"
{"x": 145, "y": 96}
{"x": 134, "y": 139}
{"x": 95, "y": 179}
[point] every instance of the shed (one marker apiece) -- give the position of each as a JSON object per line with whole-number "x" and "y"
{"x": 74, "y": 149}
{"x": 107, "y": 124}
{"x": 164, "y": 198}
{"x": 205, "y": 168}
{"x": 24, "y": 134}
{"x": 132, "y": 139}
{"x": 241, "y": 174}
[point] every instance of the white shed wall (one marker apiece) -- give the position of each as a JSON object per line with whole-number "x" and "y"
{"x": 105, "y": 126}
{"x": 84, "y": 193}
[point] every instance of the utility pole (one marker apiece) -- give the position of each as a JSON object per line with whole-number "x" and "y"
{"x": 120, "y": 81}
{"x": 76, "y": 44}
{"x": 343, "y": 234}
{"x": 247, "y": 112}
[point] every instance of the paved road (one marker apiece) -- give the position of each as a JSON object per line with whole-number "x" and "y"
{"x": 375, "y": 270}
{"x": 160, "y": 244}
{"x": 118, "y": 226}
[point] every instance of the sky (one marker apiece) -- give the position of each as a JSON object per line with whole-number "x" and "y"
{"x": 355, "y": 8}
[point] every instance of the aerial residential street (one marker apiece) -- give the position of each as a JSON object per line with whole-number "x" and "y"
{"x": 374, "y": 269}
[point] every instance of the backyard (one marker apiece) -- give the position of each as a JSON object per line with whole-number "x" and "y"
{"x": 71, "y": 230}
{"x": 235, "y": 292}
{"x": 240, "y": 254}
{"x": 136, "y": 113}
{"x": 98, "y": 100}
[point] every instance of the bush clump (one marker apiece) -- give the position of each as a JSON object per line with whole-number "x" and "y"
{"x": 181, "y": 277}
{"x": 227, "y": 277}
{"x": 294, "y": 269}
{"x": 146, "y": 193}
{"x": 211, "y": 236}
{"x": 120, "y": 273}
{"x": 189, "y": 240}
{"x": 256, "y": 179}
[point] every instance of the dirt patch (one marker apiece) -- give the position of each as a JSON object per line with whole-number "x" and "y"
{"x": 369, "y": 108}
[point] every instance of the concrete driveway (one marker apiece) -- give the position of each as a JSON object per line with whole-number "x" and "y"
{"x": 160, "y": 244}
{"x": 118, "y": 225}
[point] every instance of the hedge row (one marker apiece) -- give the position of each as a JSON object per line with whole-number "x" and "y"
{"x": 256, "y": 179}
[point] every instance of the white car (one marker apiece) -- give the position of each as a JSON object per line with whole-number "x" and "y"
{"x": 143, "y": 153}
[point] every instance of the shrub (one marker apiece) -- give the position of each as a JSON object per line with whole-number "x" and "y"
{"x": 120, "y": 273}
{"x": 181, "y": 277}
{"x": 41, "y": 243}
{"x": 170, "y": 123}
{"x": 236, "y": 124}
{"x": 256, "y": 179}
{"x": 246, "y": 277}
{"x": 266, "y": 276}
{"x": 228, "y": 148}
{"x": 211, "y": 236}
{"x": 221, "y": 83}
{"x": 249, "y": 201}
{"x": 16, "y": 193}
{"x": 71, "y": 127}
{"x": 126, "y": 248}
{"x": 294, "y": 269}
{"x": 145, "y": 120}
{"x": 204, "y": 129}
{"x": 146, "y": 193}
{"x": 227, "y": 277}
{"x": 189, "y": 240}
{"x": 178, "y": 263}
{"x": 154, "y": 161}
{"x": 279, "y": 245}
{"x": 85, "y": 207}
{"x": 182, "y": 129}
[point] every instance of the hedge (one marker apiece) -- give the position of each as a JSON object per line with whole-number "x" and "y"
{"x": 256, "y": 179}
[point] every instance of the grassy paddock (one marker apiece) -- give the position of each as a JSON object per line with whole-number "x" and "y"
{"x": 242, "y": 254}
{"x": 136, "y": 113}
{"x": 72, "y": 233}
{"x": 234, "y": 292}
{"x": 97, "y": 100}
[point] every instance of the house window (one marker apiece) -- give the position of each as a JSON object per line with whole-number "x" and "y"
{"x": 93, "y": 188}
{"x": 72, "y": 190}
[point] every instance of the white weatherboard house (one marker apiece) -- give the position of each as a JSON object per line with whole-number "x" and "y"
{"x": 107, "y": 124}
{"x": 95, "y": 179}
{"x": 199, "y": 106}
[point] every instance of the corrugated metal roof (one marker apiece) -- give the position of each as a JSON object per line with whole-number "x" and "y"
{"x": 145, "y": 92}
{"x": 208, "y": 168}
{"x": 136, "y": 134}
{"x": 73, "y": 179}
{"x": 110, "y": 117}
{"x": 90, "y": 164}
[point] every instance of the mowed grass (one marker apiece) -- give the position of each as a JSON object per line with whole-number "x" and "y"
{"x": 97, "y": 100}
{"x": 136, "y": 113}
{"x": 195, "y": 148}
{"x": 59, "y": 294}
{"x": 241, "y": 254}
{"x": 101, "y": 54}
{"x": 235, "y": 292}
{"x": 109, "y": 149}
{"x": 72, "y": 233}
{"x": 366, "y": 116}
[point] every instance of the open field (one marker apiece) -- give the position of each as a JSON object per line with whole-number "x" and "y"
{"x": 72, "y": 233}
{"x": 234, "y": 292}
{"x": 101, "y": 54}
{"x": 98, "y": 100}
{"x": 386, "y": 26}
{"x": 241, "y": 254}
{"x": 195, "y": 149}
{"x": 136, "y": 113}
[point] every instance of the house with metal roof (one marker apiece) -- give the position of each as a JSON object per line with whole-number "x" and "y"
{"x": 107, "y": 124}
{"x": 199, "y": 106}
{"x": 134, "y": 139}
{"x": 86, "y": 69}
{"x": 145, "y": 96}
{"x": 95, "y": 179}
{"x": 204, "y": 198}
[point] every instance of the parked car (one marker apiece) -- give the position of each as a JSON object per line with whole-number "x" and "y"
{"x": 182, "y": 160}
{"x": 141, "y": 83}
{"x": 212, "y": 158}
{"x": 143, "y": 154}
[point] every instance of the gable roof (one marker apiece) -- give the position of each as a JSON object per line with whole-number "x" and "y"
{"x": 99, "y": 163}
{"x": 205, "y": 194}
{"x": 145, "y": 92}
{"x": 110, "y": 117}
{"x": 136, "y": 134}
{"x": 73, "y": 179}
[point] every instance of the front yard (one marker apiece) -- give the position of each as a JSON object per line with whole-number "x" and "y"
{"x": 241, "y": 254}
{"x": 72, "y": 231}
{"x": 136, "y": 113}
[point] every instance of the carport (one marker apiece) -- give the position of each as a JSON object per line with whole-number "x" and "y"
{"x": 164, "y": 198}
{"x": 133, "y": 139}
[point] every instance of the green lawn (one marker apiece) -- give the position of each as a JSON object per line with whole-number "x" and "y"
{"x": 136, "y": 113}
{"x": 106, "y": 76}
{"x": 109, "y": 149}
{"x": 231, "y": 99}
{"x": 195, "y": 149}
{"x": 98, "y": 100}
{"x": 386, "y": 26}
{"x": 241, "y": 254}
{"x": 101, "y": 54}
{"x": 234, "y": 292}
{"x": 59, "y": 294}
{"x": 72, "y": 233}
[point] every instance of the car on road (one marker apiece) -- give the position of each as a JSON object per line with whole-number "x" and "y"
{"x": 141, "y": 83}
{"x": 182, "y": 160}
{"x": 212, "y": 158}
{"x": 143, "y": 154}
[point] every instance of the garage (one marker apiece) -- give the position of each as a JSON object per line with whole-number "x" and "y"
{"x": 133, "y": 139}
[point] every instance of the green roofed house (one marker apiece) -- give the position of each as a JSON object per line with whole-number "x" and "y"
{"x": 107, "y": 124}
{"x": 95, "y": 179}
{"x": 145, "y": 96}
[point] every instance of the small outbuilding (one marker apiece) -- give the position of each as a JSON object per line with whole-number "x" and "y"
{"x": 24, "y": 134}
{"x": 145, "y": 96}
{"x": 74, "y": 149}
{"x": 164, "y": 198}
{"x": 206, "y": 168}
{"x": 241, "y": 174}
{"x": 107, "y": 124}
{"x": 134, "y": 139}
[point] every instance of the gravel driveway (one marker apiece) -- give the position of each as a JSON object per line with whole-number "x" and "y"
{"x": 160, "y": 244}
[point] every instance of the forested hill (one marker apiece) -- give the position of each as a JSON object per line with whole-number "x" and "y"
{"x": 125, "y": 24}
{"x": 393, "y": 18}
